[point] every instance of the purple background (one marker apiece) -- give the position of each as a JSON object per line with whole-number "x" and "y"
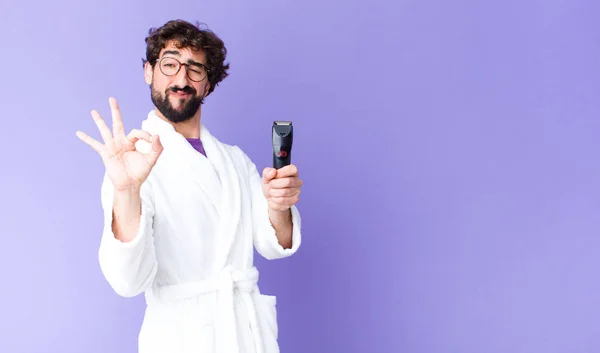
{"x": 449, "y": 151}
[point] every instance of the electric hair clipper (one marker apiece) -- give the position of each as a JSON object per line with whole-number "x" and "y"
{"x": 283, "y": 136}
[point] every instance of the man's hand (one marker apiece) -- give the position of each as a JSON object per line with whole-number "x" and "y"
{"x": 127, "y": 167}
{"x": 282, "y": 190}
{"x": 281, "y": 187}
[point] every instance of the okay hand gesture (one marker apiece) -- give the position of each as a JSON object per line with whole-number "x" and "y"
{"x": 126, "y": 167}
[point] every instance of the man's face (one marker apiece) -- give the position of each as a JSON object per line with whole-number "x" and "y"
{"x": 176, "y": 94}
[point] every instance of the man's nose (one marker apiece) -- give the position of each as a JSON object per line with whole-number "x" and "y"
{"x": 181, "y": 78}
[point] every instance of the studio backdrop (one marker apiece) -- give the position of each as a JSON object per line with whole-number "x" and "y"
{"x": 449, "y": 150}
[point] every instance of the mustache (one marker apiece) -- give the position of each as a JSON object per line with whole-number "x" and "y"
{"x": 186, "y": 89}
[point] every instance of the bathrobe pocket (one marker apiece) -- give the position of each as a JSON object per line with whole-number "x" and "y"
{"x": 268, "y": 316}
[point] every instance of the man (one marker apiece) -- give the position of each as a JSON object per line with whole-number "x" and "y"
{"x": 183, "y": 211}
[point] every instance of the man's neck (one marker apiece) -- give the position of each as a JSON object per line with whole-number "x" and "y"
{"x": 189, "y": 128}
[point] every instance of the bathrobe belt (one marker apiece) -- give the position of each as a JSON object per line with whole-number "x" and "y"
{"x": 225, "y": 320}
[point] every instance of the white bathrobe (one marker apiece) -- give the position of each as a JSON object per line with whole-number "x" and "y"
{"x": 193, "y": 254}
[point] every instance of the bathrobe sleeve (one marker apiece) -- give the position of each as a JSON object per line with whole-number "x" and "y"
{"x": 264, "y": 237}
{"x": 128, "y": 267}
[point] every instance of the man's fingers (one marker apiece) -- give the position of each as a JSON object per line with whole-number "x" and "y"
{"x": 157, "y": 146}
{"x": 287, "y": 171}
{"x": 118, "y": 128}
{"x": 286, "y": 192}
{"x": 136, "y": 135}
{"x": 157, "y": 149}
{"x": 97, "y": 146}
{"x": 104, "y": 130}
{"x": 286, "y": 183}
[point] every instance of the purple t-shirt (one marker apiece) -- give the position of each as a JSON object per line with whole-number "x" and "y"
{"x": 197, "y": 144}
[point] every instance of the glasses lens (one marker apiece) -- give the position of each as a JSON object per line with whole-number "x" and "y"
{"x": 169, "y": 66}
{"x": 196, "y": 73}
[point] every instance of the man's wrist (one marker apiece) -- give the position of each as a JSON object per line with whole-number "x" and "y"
{"x": 280, "y": 217}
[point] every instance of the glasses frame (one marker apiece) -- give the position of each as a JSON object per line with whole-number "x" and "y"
{"x": 187, "y": 68}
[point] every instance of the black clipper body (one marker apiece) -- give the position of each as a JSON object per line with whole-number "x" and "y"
{"x": 283, "y": 137}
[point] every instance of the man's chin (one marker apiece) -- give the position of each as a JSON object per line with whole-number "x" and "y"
{"x": 178, "y": 104}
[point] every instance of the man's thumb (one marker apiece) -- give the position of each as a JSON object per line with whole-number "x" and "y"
{"x": 269, "y": 174}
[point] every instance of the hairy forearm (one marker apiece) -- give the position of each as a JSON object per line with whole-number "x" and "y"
{"x": 127, "y": 209}
{"x": 282, "y": 223}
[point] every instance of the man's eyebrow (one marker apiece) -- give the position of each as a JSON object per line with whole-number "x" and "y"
{"x": 192, "y": 62}
{"x": 177, "y": 53}
{"x": 174, "y": 52}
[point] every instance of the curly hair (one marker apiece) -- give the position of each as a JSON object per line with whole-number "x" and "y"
{"x": 185, "y": 35}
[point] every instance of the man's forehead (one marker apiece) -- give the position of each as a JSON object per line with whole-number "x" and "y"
{"x": 172, "y": 49}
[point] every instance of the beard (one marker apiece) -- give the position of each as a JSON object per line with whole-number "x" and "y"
{"x": 185, "y": 111}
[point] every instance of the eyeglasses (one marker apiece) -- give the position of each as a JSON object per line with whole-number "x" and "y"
{"x": 171, "y": 66}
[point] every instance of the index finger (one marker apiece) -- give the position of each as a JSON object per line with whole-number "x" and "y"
{"x": 289, "y": 170}
{"x": 118, "y": 128}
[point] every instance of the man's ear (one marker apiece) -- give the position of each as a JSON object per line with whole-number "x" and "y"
{"x": 148, "y": 73}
